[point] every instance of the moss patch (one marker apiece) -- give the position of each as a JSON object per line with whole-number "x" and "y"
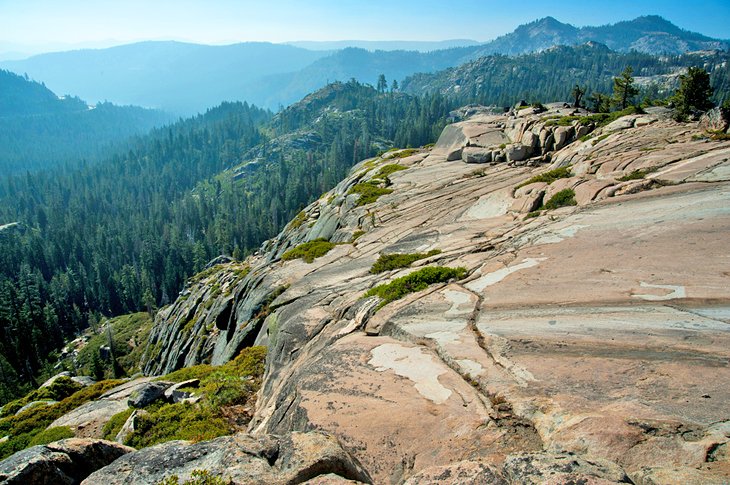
{"x": 390, "y": 169}
{"x": 387, "y": 262}
{"x": 309, "y": 251}
{"x": 114, "y": 425}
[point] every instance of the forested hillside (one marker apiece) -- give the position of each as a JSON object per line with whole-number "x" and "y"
{"x": 124, "y": 235}
{"x": 40, "y": 130}
{"x": 551, "y": 75}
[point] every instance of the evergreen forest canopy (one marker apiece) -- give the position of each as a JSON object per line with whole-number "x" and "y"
{"x": 39, "y": 130}
{"x": 123, "y": 235}
{"x": 550, "y": 75}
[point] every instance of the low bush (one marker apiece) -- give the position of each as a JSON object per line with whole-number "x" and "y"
{"x": 390, "y": 169}
{"x": 197, "y": 477}
{"x": 309, "y": 251}
{"x": 548, "y": 177}
{"x": 387, "y": 262}
{"x": 114, "y": 425}
{"x": 369, "y": 192}
{"x": 635, "y": 175}
{"x": 50, "y": 435}
{"x": 563, "y": 198}
{"x": 180, "y": 421}
{"x": 413, "y": 282}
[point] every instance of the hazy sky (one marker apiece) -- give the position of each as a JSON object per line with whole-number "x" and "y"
{"x": 56, "y": 23}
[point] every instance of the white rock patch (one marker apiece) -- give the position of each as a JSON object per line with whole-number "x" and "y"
{"x": 413, "y": 364}
{"x": 674, "y": 292}
{"x": 495, "y": 277}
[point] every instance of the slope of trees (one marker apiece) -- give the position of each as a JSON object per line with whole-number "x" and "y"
{"x": 551, "y": 75}
{"x": 39, "y": 130}
{"x": 123, "y": 235}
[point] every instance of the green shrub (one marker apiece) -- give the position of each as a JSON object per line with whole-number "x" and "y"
{"x": 635, "y": 175}
{"x": 387, "y": 262}
{"x": 390, "y": 169}
{"x": 562, "y": 121}
{"x": 600, "y": 139}
{"x": 548, "y": 177}
{"x": 114, "y": 425}
{"x": 298, "y": 220}
{"x": 563, "y": 198}
{"x": 413, "y": 282}
{"x": 200, "y": 371}
{"x": 309, "y": 251}
{"x": 401, "y": 154}
{"x": 533, "y": 214}
{"x": 357, "y": 235}
{"x": 22, "y": 428}
{"x": 180, "y": 421}
{"x": 197, "y": 477}
{"x": 369, "y": 192}
{"x": 50, "y": 435}
{"x": 603, "y": 119}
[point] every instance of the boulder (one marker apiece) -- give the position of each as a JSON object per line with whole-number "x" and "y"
{"x": 62, "y": 462}
{"x": 174, "y": 394}
{"x": 128, "y": 426}
{"x": 147, "y": 394}
{"x": 563, "y": 135}
{"x": 85, "y": 381}
{"x": 461, "y": 473}
{"x": 548, "y": 468}
{"x": 242, "y": 458}
{"x": 517, "y": 152}
{"x": 530, "y": 140}
{"x": 717, "y": 119}
{"x": 454, "y": 154}
{"x": 476, "y": 155}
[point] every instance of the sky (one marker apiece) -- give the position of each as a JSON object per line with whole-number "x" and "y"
{"x": 44, "y": 25}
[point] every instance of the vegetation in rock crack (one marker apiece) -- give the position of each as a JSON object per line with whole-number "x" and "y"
{"x": 369, "y": 192}
{"x": 22, "y": 428}
{"x": 634, "y": 175}
{"x": 413, "y": 282}
{"x": 221, "y": 388}
{"x": 387, "y": 262}
{"x": 114, "y": 425}
{"x": 309, "y": 251}
{"x": 357, "y": 235}
{"x": 400, "y": 154}
{"x": 563, "y": 198}
{"x": 548, "y": 177}
{"x": 386, "y": 170}
{"x": 297, "y": 222}
{"x": 197, "y": 477}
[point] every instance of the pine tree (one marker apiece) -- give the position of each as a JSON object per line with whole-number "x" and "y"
{"x": 693, "y": 94}
{"x": 624, "y": 89}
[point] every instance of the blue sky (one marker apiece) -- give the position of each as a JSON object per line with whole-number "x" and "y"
{"x": 49, "y": 23}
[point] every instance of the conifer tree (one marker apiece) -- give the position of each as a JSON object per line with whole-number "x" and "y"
{"x": 624, "y": 89}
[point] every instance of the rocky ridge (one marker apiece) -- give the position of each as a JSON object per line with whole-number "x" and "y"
{"x": 586, "y": 342}
{"x": 598, "y": 329}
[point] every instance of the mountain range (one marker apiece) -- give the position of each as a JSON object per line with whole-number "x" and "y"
{"x": 188, "y": 78}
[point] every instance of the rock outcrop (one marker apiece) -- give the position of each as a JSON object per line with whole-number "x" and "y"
{"x": 64, "y": 462}
{"x": 294, "y": 458}
{"x": 589, "y": 340}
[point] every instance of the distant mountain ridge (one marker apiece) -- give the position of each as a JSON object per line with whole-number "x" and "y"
{"x": 650, "y": 34}
{"x": 188, "y": 78}
{"x": 385, "y": 45}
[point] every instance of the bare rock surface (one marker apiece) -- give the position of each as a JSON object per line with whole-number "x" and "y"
{"x": 62, "y": 462}
{"x": 88, "y": 420}
{"x": 293, "y": 458}
{"x": 596, "y": 333}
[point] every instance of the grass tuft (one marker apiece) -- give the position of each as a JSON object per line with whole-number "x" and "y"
{"x": 548, "y": 177}
{"x": 369, "y": 192}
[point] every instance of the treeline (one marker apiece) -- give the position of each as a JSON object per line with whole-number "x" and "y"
{"x": 551, "y": 74}
{"x": 123, "y": 235}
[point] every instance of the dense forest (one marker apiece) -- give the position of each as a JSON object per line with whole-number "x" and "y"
{"x": 124, "y": 235}
{"x": 551, "y": 74}
{"x": 39, "y": 130}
